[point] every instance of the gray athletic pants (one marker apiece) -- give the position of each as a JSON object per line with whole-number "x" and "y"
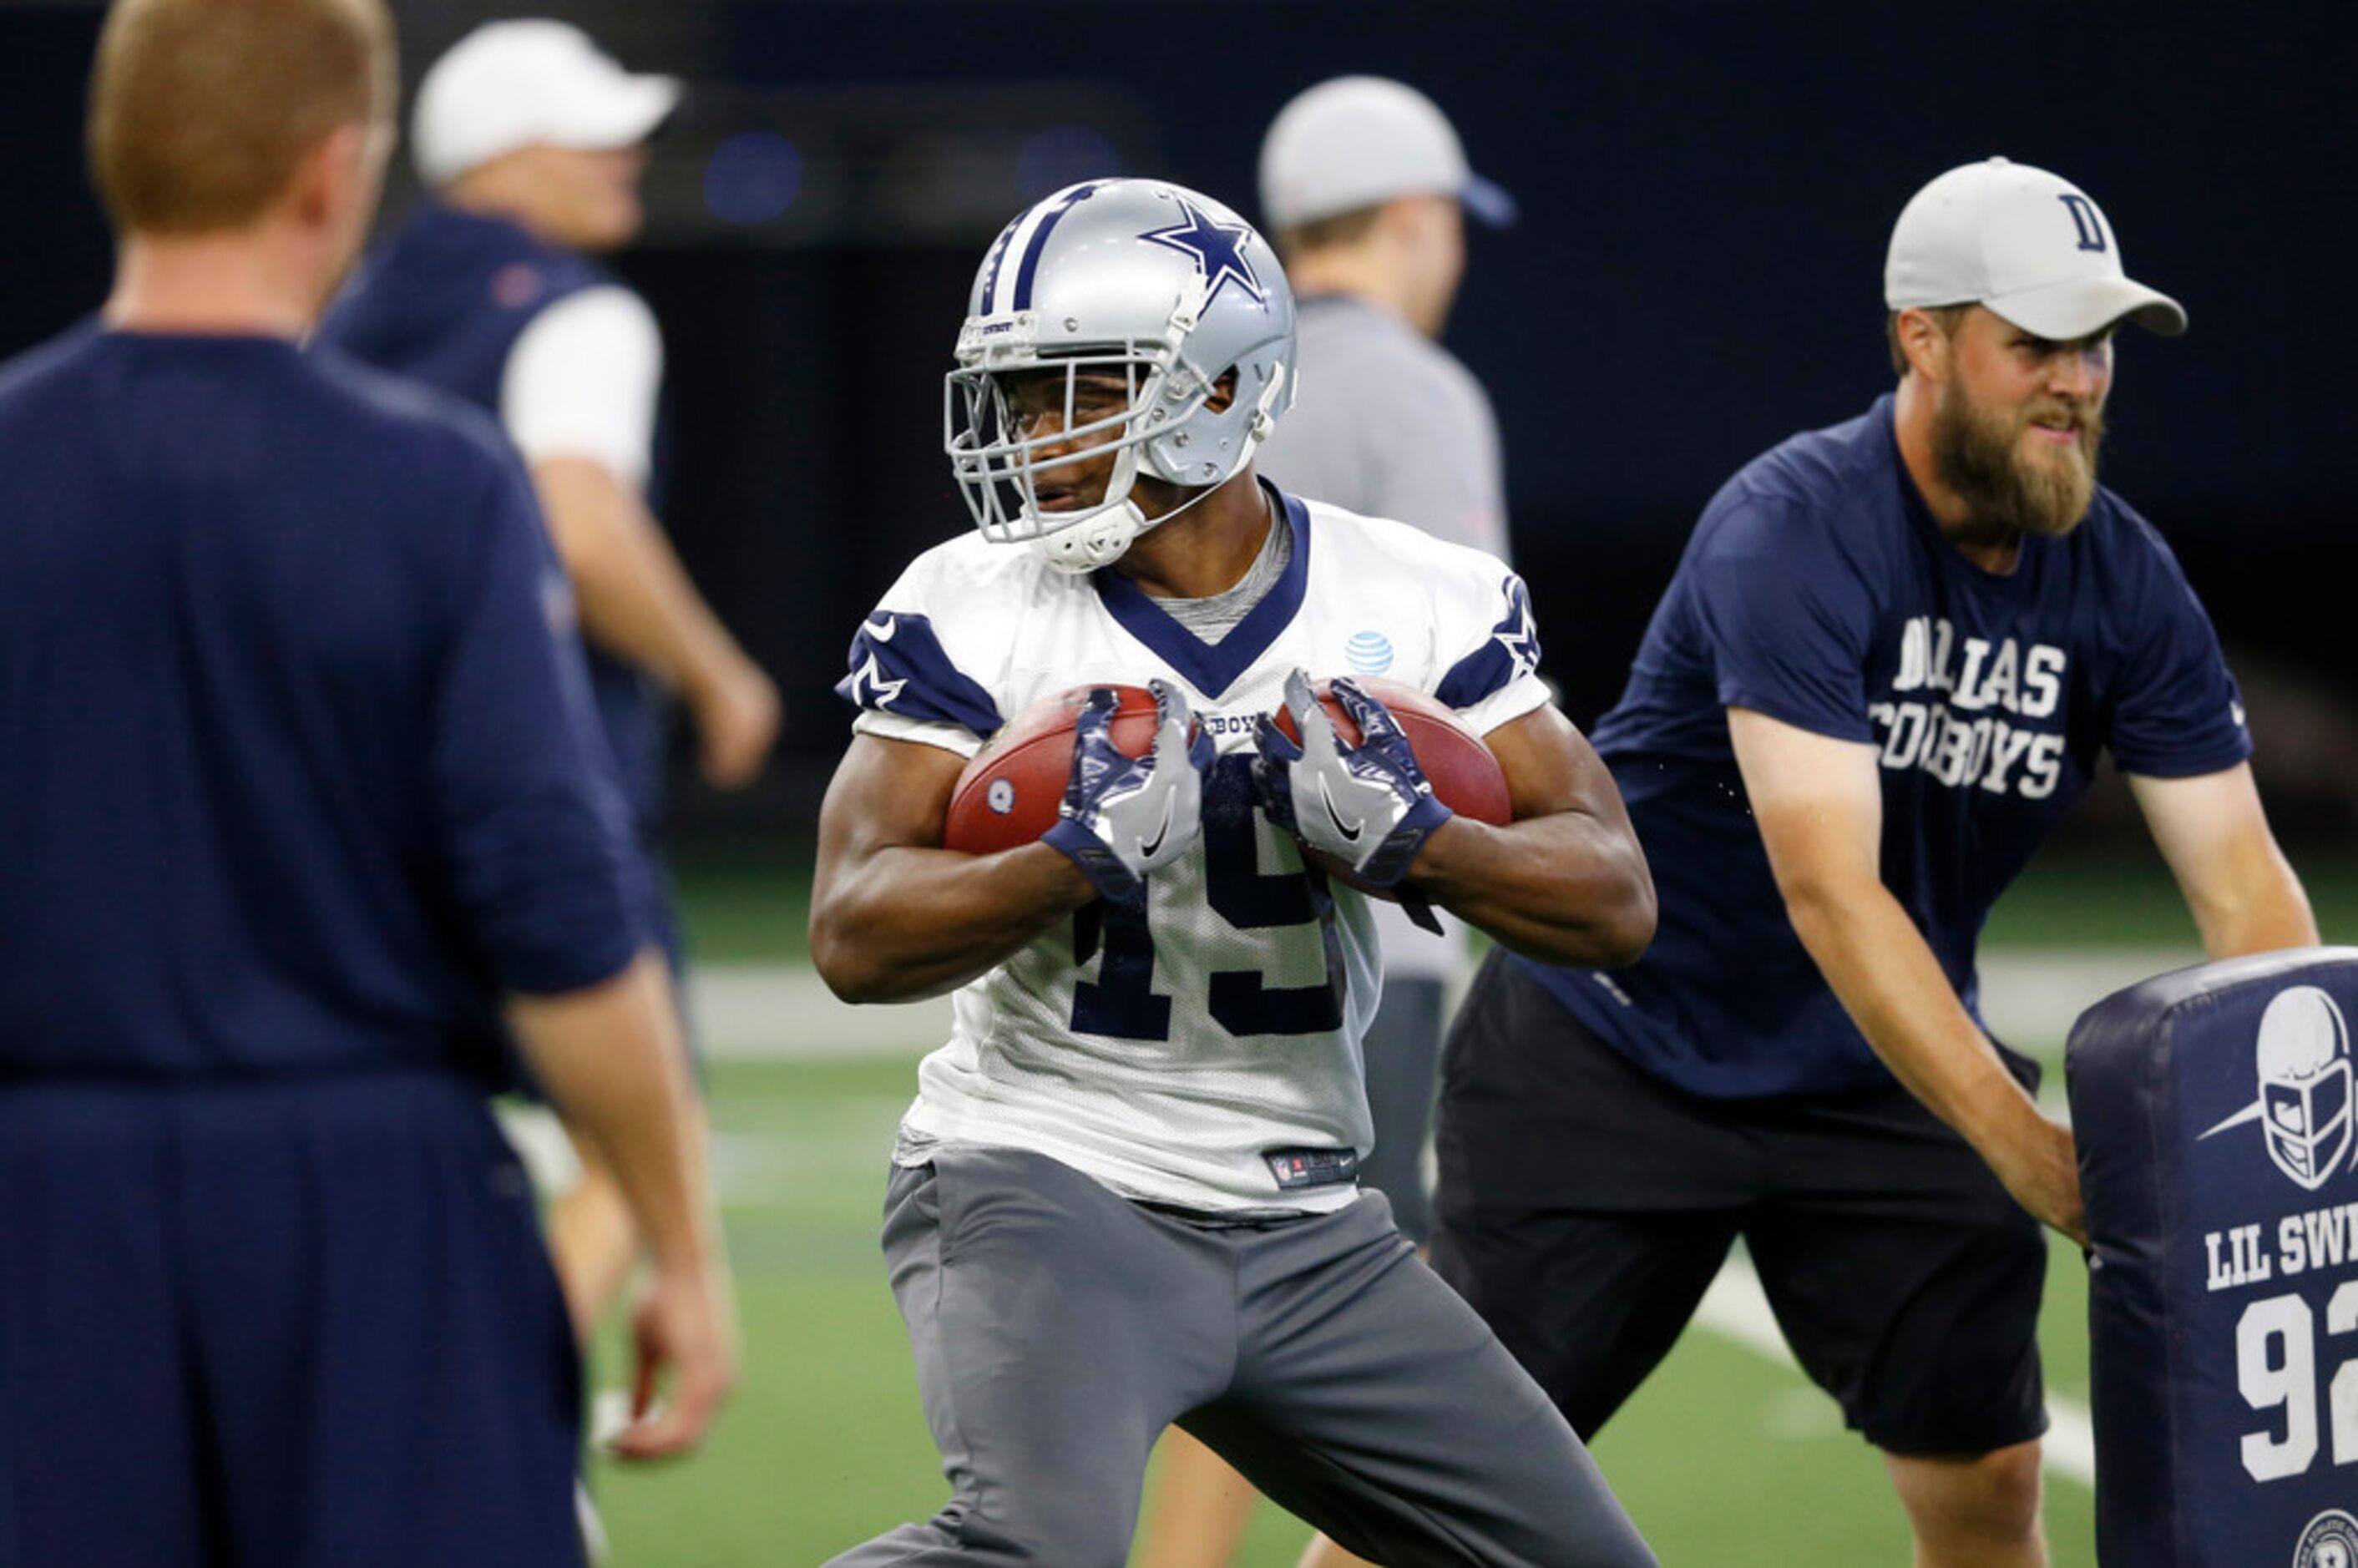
{"x": 1058, "y": 1329}
{"x": 1403, "y": 1051}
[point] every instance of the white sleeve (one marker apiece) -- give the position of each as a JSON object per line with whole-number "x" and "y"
{"x": 925, "y": 732}
{"x": 1493, "y": 641}
{"x": 903, "y": 672}
{"x": 582, "y": 380}
{"x": 1525, "y": 694}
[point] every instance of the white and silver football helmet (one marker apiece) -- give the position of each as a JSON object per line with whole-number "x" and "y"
{"x": 1139, "y": 279}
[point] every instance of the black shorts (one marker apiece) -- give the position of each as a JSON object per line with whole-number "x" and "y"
{"x": 1584, "y": 1205}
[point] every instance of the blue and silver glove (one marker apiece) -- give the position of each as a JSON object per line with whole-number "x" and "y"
{"x": 1123, "y": 817}
{"x": 1367, "y": 805}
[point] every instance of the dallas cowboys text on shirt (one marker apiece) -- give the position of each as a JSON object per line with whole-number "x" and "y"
{"x": 1968, "y": 727}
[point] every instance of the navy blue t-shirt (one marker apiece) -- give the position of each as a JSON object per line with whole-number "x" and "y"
{"x": 1818, "y": 590}
{"x": 298, "y": 768}
{"x": 444, "y": 301}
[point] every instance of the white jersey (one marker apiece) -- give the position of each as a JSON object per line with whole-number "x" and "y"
{"x": 1202, "y": 1051}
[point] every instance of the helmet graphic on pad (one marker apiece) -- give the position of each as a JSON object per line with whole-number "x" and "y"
{"x": 2302, "y": 1060}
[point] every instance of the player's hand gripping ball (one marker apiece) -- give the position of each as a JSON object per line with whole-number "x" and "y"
{"x": 1362, "y": 771}
{"x": 1112, "y": 775}
{"x": 1010, "y": 790}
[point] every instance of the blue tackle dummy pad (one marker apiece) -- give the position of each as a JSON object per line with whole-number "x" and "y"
{"x": 2214, "y": 1109}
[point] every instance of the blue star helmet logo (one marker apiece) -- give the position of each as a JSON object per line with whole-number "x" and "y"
{"x": 1218, "y": 250}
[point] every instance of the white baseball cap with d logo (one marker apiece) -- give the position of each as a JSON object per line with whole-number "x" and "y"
{"x": 2028, "y": 245}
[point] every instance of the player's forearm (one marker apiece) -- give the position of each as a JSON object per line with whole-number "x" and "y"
{"x": 907, "y": 922}
{"x": 1896, "y": 993}
{"x": 612, "y": 1061}
{"x": 637, "y": 600}
{"x": 1566, "y": 888}
{"x": 2215, "y": 833}
{"x": 2263, "y": 909}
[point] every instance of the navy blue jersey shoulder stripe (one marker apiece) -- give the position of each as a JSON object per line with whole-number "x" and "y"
{"x": 1213, "y": 667}
{"x": 1511, "y": 653}
{"x": 898, "y": 665}
{"x": 1039, "y": 242}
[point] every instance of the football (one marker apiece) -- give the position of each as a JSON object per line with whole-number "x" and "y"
{"x": 1009, "y": 792}
{"x": 1008, "y": 795}
{"x": 1460, "y": 768}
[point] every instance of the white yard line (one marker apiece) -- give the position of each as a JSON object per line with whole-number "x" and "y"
{"x": 1736, "y": 1308}
{"x": 783, "y": 1011}
{"x": 2029, "y": 997}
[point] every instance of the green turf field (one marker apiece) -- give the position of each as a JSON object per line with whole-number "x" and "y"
{"x": 1725, "y": 1456}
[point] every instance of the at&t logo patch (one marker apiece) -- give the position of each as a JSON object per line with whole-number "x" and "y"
{"x": 1369, "y": 653}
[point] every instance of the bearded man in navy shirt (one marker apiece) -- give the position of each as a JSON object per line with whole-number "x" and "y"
{"x": 1885, "y": 669}
{"x": 304, "y": 815}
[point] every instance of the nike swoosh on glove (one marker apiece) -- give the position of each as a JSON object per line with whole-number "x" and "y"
{"x": 1367, "y": 805}
{"x": 1124, "y": 817}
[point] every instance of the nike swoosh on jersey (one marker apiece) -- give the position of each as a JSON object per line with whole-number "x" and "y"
{"x": 1350, "y": 833}
{"x": 1145, "y": 848}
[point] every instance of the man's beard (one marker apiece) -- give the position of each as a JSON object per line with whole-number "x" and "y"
{"x": 1978, "y": 453}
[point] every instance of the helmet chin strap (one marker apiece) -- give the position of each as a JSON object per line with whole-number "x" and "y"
{"x": 1105, "y": 539}
{"x": 1085, "y": 543}
{"x": 1083, "y": 547}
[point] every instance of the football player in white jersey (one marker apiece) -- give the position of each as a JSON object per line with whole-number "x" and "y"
{"x": 1125, "y": 1193}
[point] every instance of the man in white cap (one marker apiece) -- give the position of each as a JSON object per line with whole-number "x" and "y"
{"x": 528, "y": 138}
{"x": 1365, "y": 190}
{"x": 1887, "y": 665}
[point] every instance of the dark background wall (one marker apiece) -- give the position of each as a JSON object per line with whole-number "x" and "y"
{"x": 1706, "y": 189}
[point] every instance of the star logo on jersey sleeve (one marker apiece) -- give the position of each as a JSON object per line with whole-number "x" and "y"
{"x": 871, "y": 689}
{"x": 1218, "y": 250}
{"x": 868, "y": 686}
{"x": 897, "y": 664}
{"x": 1516, "y": 634}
